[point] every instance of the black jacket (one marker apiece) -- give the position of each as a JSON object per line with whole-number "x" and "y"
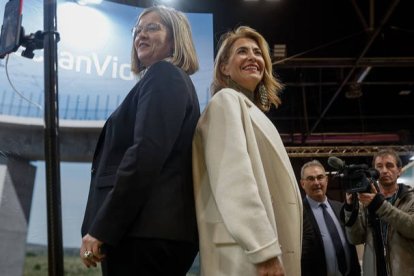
{"x": 313, "y": 254}
{"x": 141, "y": 184}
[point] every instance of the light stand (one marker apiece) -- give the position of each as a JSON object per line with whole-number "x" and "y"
{"x": 51, "y": 136}
{"x": 48, "y": 40}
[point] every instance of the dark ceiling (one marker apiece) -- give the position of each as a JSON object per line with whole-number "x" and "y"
{"x": 348, "y": 68}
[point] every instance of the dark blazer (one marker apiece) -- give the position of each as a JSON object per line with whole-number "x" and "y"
{"x": 313, "y": 253}
{"x": 141, "y": 184}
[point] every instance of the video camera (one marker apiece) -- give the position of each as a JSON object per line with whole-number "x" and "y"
{"x": 355, "y": 178}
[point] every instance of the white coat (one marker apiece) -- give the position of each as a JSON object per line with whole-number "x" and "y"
{"x": 248, "y": 203}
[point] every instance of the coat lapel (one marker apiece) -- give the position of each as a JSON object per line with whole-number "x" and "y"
{"x": 260, "y": 120}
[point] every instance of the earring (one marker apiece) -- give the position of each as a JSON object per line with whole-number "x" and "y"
{"x": 264, "y": 98}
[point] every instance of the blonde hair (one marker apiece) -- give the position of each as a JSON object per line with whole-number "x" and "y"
{"x": 184, "y": 53}
{"x": 272, "y": 86}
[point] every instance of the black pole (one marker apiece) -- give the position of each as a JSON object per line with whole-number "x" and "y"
{"x": 52, "y": 154}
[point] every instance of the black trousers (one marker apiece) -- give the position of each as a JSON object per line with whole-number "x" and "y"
{"x": 148, "y": 257}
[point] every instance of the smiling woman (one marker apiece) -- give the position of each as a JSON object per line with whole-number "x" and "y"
{"x": 246, "y": 64}
{"x": 152, "y": 40}
{"x": 264, "y": 88}
{"x": 140, "y": 217}
{"x": 94, "y": 78}
{"x": 239, "y": 162}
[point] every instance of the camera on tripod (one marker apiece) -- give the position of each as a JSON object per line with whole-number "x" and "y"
{"x": 355, "y": 178}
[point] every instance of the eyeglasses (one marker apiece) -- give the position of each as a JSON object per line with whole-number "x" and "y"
{"x": 149, "y": 28}
{"x": 312, "y": 178}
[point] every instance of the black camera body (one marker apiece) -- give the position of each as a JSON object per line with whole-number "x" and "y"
{"x": 355, "y": 178}
{"x": 358, "y": 178}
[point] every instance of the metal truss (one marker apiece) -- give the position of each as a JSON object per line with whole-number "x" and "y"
{"x": 326, "y": 151}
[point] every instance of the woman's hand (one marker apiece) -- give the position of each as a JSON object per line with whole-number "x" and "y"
{"x": 271, "y": 267}
{"x": 90, "y": 251}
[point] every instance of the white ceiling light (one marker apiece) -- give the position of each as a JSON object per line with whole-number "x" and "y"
{"x": 404, "y": 92}
{"x": 89, "y": 2}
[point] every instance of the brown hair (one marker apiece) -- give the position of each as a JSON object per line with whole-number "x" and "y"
{"x": 271, "y": 84}
{"x": 389, "y": 152}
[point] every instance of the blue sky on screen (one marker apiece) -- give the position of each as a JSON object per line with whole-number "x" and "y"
{"x": 93, "y": 77}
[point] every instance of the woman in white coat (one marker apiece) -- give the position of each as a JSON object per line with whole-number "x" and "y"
{"x": 249, "y": 208}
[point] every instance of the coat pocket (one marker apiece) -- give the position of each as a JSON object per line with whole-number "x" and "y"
{"x": 221, "y": 235}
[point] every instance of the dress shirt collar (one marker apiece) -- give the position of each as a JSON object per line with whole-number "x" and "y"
{"x": 315, "y": 204}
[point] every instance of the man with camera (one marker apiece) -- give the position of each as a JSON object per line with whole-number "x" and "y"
{"x": 325, "y": 249}
{"x": 383, "y": 219}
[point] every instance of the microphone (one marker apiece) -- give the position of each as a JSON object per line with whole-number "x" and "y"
{"x": 340, "y": 165}
{"x": 336, "y": 163}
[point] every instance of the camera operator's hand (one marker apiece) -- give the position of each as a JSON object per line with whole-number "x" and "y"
{"x": 366, "y": 198}
{"x": 349, "y": 198}
{"x": 372, "y": 201}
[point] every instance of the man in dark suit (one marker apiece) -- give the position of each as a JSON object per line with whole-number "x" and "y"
{"x": 323, "y": 253}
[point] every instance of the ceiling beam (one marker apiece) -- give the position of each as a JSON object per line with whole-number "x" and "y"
{"x": 333, "y": 83}
{"x": 327, "y": 151}
{"x": 345, "y": 62}
{"x": 360, "y": 15}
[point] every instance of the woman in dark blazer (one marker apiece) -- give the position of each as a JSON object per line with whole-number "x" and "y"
{"x": 140, "y": 217}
